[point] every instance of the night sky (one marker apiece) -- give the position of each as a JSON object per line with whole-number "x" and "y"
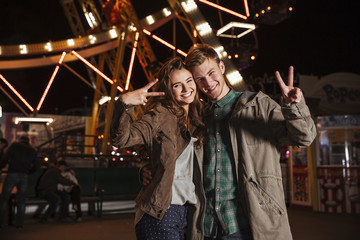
{"x": 319, "y": 38}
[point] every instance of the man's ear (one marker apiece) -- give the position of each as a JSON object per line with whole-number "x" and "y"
{"x": 222, "y": 67}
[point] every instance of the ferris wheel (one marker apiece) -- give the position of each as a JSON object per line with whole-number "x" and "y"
{"x": 106, "y": 30}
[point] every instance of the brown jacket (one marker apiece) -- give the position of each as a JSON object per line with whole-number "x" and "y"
{"x": 158, "y": 130}
{"x": 258, "y": 125}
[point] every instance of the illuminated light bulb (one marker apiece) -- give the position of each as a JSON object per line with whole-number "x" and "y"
{"x": 229, "y": 57}
{"x": 252, "y": 58}
{"x": 203, "y": 28}
{"x": 219, "y": 50}
{"x": 236, "y": 55}
{"x": 113, "y": 33}
{"x": 166, "y": 12}
{"x": 256, "y": 15}
{"x": 268, "y": 8}
{"x": 290, "y": 9}
{"x": 46, "y": 159}
{"x": 70, "y": 42}
{"x": 234, "y": 77}
{"x": 189, "y": 5}
{"x": 92, "y": 39}
{"x": 132, "y": 28}
{"x": 150, "y": 20}
{"x": 262, "y": 11}
{"x": 48, "y": 47}
{"x": 23, "y": 49}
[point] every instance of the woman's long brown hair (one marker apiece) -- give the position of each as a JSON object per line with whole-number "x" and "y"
{"x": 168, "y": 101}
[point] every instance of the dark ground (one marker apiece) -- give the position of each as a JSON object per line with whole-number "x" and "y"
{"x": 305, "y": 225}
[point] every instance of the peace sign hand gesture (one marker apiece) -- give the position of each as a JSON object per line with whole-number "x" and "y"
{"x": 139, "y": 96}
{"x": 290, "y": 93}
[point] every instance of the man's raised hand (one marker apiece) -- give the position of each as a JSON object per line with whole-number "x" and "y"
{"x": 290, "y": 93}
{"x": 140, "y": 96}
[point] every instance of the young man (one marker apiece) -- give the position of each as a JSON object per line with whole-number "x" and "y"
{"x": 22, "y": 160}
{"x": 48, "y": 190}
{"x": 240, "y": 172}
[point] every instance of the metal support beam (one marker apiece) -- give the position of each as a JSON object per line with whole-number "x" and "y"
{"x": 110, "y": 107}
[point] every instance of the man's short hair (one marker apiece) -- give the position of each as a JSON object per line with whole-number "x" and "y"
{"x": 24, "y": 139}
{"x": 198, "y": 54}
{"x": 62, "y": 163}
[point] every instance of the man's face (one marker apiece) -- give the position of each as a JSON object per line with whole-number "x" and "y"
{"x": 210, "y": 79}
{"x": 62, "y": 168}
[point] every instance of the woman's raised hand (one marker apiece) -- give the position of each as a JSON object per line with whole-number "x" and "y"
{"x": 140, "y": 96}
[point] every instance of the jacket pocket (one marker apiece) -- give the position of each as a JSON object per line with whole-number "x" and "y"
{"x": 265, "y": 200}
{"x": 161, "y": 137}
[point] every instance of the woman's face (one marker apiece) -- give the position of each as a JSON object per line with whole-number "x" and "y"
{"x": 183, "y": 87}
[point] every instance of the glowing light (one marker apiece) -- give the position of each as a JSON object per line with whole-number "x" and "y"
{"x": 48, "y": 47}
{"x": 236, "y": 55}
{"x": 18, "y": 120}
{"x": 70, "y": 42}
{"x": 252, "y": 58}
{"x": 166, "y": 12}
{"x": 248, "y": 26}
{"x": 204, "y": 28}
{"x": 229, "y": 57}
{"x": 46, "y": 159}
{"x": 194, "y": 33}
{"x": 181, "y": 52}
{"x": 104, "y": 100}
{"x": 92, "y": 39}
{"x": 150, "y": 20}
{"x": 223, "y": 9}
{"x": 95, "y": 69}
{"x": 23, "y": 49}
{"x": 113, "y": 33}
{"x": 0, "y": 50}
{"x": 90, "y": 18}
{"x": 164, "y": 42}
{"x": 132, "y": 28}
{"x": 234, "y": 77}
{"x": 189, "y": 5}
{"x": 290, "y": 9}
{"x": 16, "y": 93}
{"x": 147, "y": 32}
{"x": 246, "y": 8}
{"x": 220, "y": 51}
{"x": 256, "y": 15}
{"x": 268, "y": 8}
{"x": 131, "y": 61}
{"x": 50, "y": 81}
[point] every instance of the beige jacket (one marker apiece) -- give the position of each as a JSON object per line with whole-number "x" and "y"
{"x": 258, "y": 126}
{"x": 158, "y": 130}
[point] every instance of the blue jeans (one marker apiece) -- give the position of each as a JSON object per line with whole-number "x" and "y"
{"x": 20, "y": 181}
{"x": 64, "y": 205}
{"x": 170, "y": 227}
{"x": 53, "y": 200}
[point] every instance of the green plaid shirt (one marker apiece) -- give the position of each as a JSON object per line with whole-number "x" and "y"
{"x": 219, "y": 181}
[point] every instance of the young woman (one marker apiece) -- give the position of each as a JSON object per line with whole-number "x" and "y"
{"x": 170, "y": 130}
